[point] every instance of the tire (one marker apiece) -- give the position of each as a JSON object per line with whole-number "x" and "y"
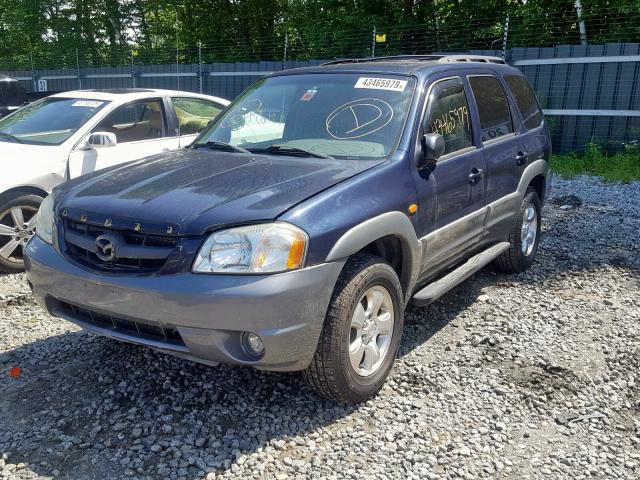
{"x": 518, "y": 258}
{"x": 363, "y": 282}
{"x": 11, "y": 242}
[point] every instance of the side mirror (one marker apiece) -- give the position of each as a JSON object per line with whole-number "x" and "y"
{"x": 102, "y": 139}
{"x": 432, "y": 149}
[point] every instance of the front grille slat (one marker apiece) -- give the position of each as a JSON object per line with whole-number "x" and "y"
{"x": 157, "y": 333}
{"x": 141, "y": 252}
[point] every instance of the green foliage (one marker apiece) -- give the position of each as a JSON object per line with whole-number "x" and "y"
{"x": 618, "y": 167}
{"x": 50, "y": 33}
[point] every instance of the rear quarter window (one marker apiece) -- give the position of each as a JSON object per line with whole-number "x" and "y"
{"x": 525, "y": 99}
{"x": 493, "y": 107}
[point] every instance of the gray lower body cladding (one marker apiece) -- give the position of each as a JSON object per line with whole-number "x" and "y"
{"x": 197, "y": 316}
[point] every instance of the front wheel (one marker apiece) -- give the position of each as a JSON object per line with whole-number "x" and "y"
{"x": 17, "y": 226}
{"x": 361, "y": 333}
{"x": 524, "y": 237}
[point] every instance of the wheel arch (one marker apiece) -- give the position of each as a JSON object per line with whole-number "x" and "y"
{"x": 390, "y": 236}
{"x": 535, "y": 175}
{"x": 22, "y": 190}
{"x": 538, "y": 183}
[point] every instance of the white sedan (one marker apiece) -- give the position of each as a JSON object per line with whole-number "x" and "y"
{"x": 69, "y": 134}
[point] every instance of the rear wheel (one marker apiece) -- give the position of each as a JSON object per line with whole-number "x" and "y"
{"x": 17, "y": 226}
{"x": 524, "y": 237}
{"x": 361, "y": 333}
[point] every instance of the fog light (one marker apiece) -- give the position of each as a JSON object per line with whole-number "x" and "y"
{"x": 253, "y": 344}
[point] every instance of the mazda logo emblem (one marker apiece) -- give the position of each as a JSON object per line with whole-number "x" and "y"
{"x": 107, "y": 246}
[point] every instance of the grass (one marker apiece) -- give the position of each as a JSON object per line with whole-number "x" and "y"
{"x": 618, "y": 167}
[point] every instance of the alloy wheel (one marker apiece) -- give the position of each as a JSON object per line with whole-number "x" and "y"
{"x": 529, "y": 230}
{"x": 371, "y": 331}
{"x": 17, "y": 226}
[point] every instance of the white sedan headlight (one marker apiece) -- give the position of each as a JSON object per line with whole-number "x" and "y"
{"x": 261, "y": 248}
{"x": 44, "y": 223}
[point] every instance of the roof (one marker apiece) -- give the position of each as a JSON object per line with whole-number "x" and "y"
{"x": 405, "y": 64}
{"x": 5, "y": 78}
{"x": 129, "y": 94}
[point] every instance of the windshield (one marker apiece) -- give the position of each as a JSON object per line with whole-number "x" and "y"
{"x": 48, "y": 122}
{"x": 342, "y": 115}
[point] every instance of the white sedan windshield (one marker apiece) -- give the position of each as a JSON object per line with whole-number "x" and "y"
{"x": 338, "y": 114}
{"x": 48, "y": 122}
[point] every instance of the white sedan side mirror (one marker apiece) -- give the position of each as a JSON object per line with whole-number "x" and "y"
{"x": 102, "y": 139}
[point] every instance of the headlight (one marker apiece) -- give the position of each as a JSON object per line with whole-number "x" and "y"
{"x": 262, "y": 248}
{"x": 44, "y": 224}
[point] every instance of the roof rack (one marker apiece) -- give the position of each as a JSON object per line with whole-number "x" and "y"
{"x": 470, "y": 58}
{"x": 398, "y": 58}
{"x": 422, "y": 58}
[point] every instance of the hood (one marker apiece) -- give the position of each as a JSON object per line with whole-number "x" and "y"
{"x": 195, "y": 190}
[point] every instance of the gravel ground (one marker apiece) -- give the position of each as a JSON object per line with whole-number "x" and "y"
{"x": 527, "y": 376}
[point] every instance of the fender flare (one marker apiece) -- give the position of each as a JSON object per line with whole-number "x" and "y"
{"x": 395, "y": 224}
{"x": 538, "y": 167}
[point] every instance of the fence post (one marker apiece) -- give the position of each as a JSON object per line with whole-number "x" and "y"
{"x": 78, "y": 70}
{"x": 373, "y": 42}
{"x": 177, "y": 56}
{"x": 199, "y": 66}
{"x": 286, "y": 47}
{"x": 133, "y": 71}
{"x": 33, "y": 73}
{"x": 581, "y": 25}
{"x": 505, "y": 38}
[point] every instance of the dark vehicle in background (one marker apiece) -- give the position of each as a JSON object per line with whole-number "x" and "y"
{"x": 355, "y": 188}
{"x": 12, "y": 95}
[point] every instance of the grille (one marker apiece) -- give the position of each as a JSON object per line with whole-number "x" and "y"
{"x": 144, "y": 331}
{"x": 142, "y": 252}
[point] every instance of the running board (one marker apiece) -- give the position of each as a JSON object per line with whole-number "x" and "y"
{"x": 436, "y": 289}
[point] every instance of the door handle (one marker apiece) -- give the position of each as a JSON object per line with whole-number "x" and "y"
{"x": 521, "y": 158}
{"x": 475, "y": 176}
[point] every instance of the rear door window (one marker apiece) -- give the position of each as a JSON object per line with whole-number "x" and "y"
{"x": 448, "y": 115}
{"x": 493, "y": 107}
{"x": 526, "y": 100}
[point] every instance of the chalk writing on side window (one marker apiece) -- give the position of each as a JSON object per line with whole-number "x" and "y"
{"x": 449, "y": 121}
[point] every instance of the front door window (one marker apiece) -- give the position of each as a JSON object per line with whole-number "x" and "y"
{"x": 135, "y": 122}
{"x": 449, "y": 116}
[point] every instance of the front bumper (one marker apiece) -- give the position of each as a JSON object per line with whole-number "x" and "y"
{"x": 209, "y": 312}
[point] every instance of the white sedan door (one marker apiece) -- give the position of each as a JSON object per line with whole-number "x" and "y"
{"x": 141, "y": 130}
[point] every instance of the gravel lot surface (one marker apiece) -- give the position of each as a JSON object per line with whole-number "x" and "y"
{"x": 528, "y": 376}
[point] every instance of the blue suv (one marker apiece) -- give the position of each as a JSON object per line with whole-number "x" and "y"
{"x": 294, "y": 231}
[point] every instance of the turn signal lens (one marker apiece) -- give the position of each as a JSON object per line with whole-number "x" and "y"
{"x": 296, "y": 253}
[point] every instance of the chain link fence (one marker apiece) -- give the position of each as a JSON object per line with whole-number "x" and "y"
{"x": 500, "y": 33}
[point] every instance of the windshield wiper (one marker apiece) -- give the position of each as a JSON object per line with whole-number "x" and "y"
{"x": 10, "y": 137}
{"x": 286, "y": 150}
{"x": 225, "y": 147}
